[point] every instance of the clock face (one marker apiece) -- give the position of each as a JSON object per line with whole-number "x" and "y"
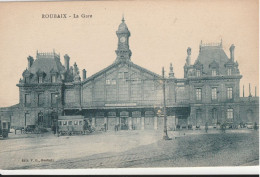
{"x": 122, "y": 39}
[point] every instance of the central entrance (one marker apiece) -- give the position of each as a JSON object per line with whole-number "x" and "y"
{"x": 124, "y": 120}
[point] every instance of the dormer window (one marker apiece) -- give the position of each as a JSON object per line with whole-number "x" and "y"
{"x": 229, "y": 71}
{"x": 40, "y": 79}
{"x": 53, "y": 78}
{"x": 213, "y": 72}
{"x": 198, "y": 73}
{"x": 26, "y": 80}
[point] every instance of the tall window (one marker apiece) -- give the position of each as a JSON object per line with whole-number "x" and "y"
{"x": 40, "y": 79}
{"x": 229, "y": 71}
{"x": 53, "y": 78}
{"x": 53, "y": 98}
{"x": 230, "y": 114}
{"x": 214, "y": 93}
{"x": 198, "y": 73}
{"x": 108, "y": 82}
{"x": 198, "y": 94}
{"x": 214, "y": 72}
{"x": 40, "y": 99}
{"x": 229, "y": 93}
{"x": 27, "y": 99}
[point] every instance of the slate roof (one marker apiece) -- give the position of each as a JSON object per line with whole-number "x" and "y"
{"x": 212, "y": 54}
{"x": 122, "y": 27}
{"x": 46, "y": 65}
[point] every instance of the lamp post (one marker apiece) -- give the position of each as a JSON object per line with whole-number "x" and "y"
{"x": 165, "y": 135}
{"x": 57, "y": 96}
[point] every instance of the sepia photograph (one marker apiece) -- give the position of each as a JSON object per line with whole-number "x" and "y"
{"x": 129, "y": 85}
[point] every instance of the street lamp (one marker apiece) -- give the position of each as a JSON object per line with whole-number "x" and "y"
{"x": 165, "y": 135}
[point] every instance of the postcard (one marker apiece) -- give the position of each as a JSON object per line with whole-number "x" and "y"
{"x": 105, "y": 85}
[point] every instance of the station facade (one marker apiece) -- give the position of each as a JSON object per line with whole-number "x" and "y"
{"x": 131, "y": 96}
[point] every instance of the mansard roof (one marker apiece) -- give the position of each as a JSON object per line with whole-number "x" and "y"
{"x": 47, "y": 64}
{"x": 212, "y": 54}
{"x": 115, "y": 64}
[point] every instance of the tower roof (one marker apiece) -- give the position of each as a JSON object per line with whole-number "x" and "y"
{"x": 47, "y": 62}
{"x": 210, "y": 54}
{"x": 123, "y": 27}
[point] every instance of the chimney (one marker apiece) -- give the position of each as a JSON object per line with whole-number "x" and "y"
{"x": 67, "y": 62}
{"x": 231, "y": 49}
{"x": 255, "y": 91}
{"x": 250, "y": 95}
{"x": 30, "y": 61}
{"x": 84, "y": 74}
{"x": 243, "y": 91}
{"x": 188, "y": 56}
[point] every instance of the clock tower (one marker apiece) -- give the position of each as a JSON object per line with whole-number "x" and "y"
{"x": 123, "y": 52}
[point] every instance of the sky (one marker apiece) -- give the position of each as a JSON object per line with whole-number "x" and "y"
{"x": 161, "y": 32}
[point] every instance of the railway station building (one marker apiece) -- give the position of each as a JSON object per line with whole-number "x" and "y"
{"x": 129, "y": 95}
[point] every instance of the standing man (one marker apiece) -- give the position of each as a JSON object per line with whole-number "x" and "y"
{"x": 206, "y": 127}
{"x": 105, "y": 127}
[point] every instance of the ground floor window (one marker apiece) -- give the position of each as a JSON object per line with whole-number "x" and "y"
{"x": 230, "y": 114}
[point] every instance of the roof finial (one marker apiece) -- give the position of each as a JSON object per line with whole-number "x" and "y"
{"x": 221, "y": 42}
{"x": 123, "y": 19}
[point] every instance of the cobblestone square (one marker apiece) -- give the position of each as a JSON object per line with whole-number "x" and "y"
{"x": 131, "y": 149}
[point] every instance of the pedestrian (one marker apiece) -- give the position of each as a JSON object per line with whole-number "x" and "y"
{"x": 206, "y": 127}
{"x": 105, "y": 127}
{"x": 54, "y": 129}
{"x": 255, "y": 126}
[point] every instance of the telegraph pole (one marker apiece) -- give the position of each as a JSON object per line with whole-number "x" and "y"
{"x": 57, "y": 95}
{"x": 165, "y": 135}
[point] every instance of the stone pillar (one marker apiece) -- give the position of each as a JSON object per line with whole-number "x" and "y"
{"x": 93, "y": 121}
{"x": 130, "y": 123}
{"x": 155, "y": 123}
{"x": 142, "y": 123}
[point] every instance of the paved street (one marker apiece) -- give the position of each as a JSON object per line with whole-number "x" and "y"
{"x": 131, "y": 149}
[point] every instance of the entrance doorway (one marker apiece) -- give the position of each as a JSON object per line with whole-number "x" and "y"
{"x": 124, "y": 120}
